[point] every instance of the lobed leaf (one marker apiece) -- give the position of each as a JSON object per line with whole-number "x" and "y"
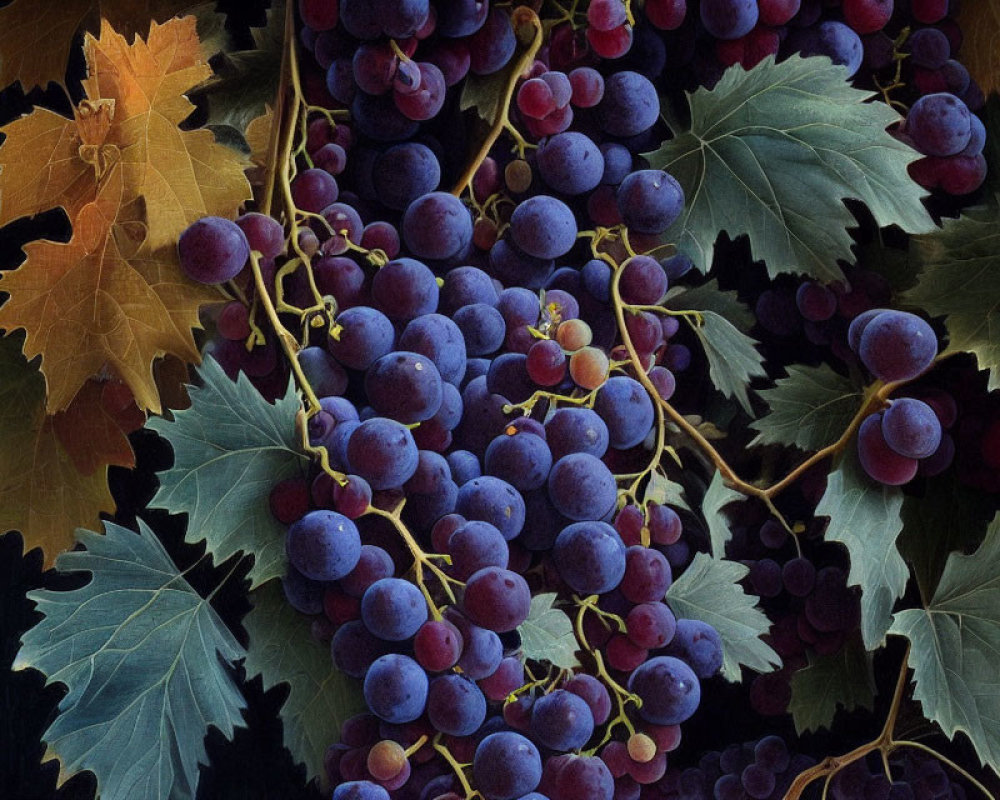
{"x": 844, "y": 679}
{"x": 732, "y": 356}
{"x": 809, "y": 409}
{"x": 709, "y": 590}
{"x": 949, "y": 516}
{"x": 865, "y": 518}
{"x": 43, "y": 494}
{"x": 717, "y": 496}
{"x": 230, "y": 448}
{"x": 958, "y": 264}
{"x": 772, "y": 153}
{"x": 955, "y": 648}
{"x": 143, "y": 657}
{"x": 320, "y": 697}
{"x": 547, "y": 633}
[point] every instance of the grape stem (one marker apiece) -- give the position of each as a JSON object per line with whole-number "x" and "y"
{"x": 459, "y": 769}
{"x": 621, "y": 694}
{"x": 421, "y": 560}
{"x": 502, "y": 121}
{"x": 877, "y": 396}
{"x": 885, "y": 743}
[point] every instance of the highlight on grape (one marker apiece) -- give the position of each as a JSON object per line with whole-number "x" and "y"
{"x": 563, "y": 399}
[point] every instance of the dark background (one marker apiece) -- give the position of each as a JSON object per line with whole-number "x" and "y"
{"x": 255, "y": 764}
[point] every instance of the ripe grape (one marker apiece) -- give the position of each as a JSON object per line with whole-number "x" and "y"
{"x": 626, "y": 409}
{"x": 455, "y": 705}
{"x": 669, "y": 690}
{"x": 939, "y": 124}
{"x": 523, "y": 460}
{"x": 728, "y": 19}
{"x": 544, "y": 227}
{"x": 897, "y": 345}
{"x": 582, "y": 487}
{"x": 395, "y": 688}
{"x": 405, "y": 289}
{"x": 213, "y": 250}
{"x": 393, "y": 609}
{"x": 561, "y": 720}
{"x": 437, "y": 226}
{"x": 570, "y": 163}
{"x": 630, "y": 104}
{"x": 911, "y": 428}
{"x": 506, "y": 765}
{"x": 590, "y": 557}
{"x": 323, "y": 545}
{"x": 698, "y": 644}
{"x": 496, "y": 599}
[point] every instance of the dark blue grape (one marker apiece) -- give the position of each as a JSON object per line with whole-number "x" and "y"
{"x": 582, "y": 487}
{"x": 393, "y": 609}
{"x": 543, "y": 227}
{"x": 382, "y": 451}
{"x": 590, "y": 557}
{"x": 455, "y": 705}
{"x": 506, "y": 765}
{"x": 323, "y": 545}
{"x": 571, "y": 163}
{"x": 395, "y": 688}
{"x": 626, "y": 409}
{"x": 669, "y": 690}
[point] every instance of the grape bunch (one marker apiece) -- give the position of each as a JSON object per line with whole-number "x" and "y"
{"x": 484, "y": 355}
{"x": 756, "y": 770}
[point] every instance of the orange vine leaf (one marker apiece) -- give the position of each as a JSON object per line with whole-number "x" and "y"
{"x": 181, "y": 175}
{"x": 42, "y": 494}
{"x": 94, "y": 429}
{"x": 98, "y": 299}
{"x": 131, "y": 180}
{"x": 36, "y": 37}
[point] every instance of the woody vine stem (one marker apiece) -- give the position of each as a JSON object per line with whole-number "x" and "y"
{"x": 290, "y": 123}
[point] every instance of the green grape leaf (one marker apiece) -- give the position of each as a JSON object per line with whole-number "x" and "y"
{"x": 843, "y": 679}
{"x": 772, "y": 152}
{"x": 144, "y": 659}
{"x": 245, "y": 81}
{"x": 955, "y": 647}
{"x": 809, "y": 409}
{"x": 957, "y": 280}
{"x": 547, "y": 633}
{"x": 665, "y": 492}
{"x": 320, "y": 697}
{"x": 865, "y": 518}
{"x": 709, "y": 590}
{"x": 484, "y": 93}
{"x": 717, "y": 496}
{"x": 709, "y": 297}
{"x": 230, "y": 448}
{"x": 948, "y": 516}
{"x": 732, "y": 357}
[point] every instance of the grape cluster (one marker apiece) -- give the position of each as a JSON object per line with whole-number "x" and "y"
{"x": 756, "y": 770}
{"x": 911, "y": 774}
{"x": 486, "y": 365}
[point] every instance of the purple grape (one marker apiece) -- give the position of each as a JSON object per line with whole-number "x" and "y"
{"x": 437, "y": 226}
{"x": 213, "y": 250}
{"x": 911, "y": 428}
{"x": 897, "y": 346}
{"x": 323, "y": 545}
{"x": 939, "y": 124}
{"x": 669, "y": 690}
